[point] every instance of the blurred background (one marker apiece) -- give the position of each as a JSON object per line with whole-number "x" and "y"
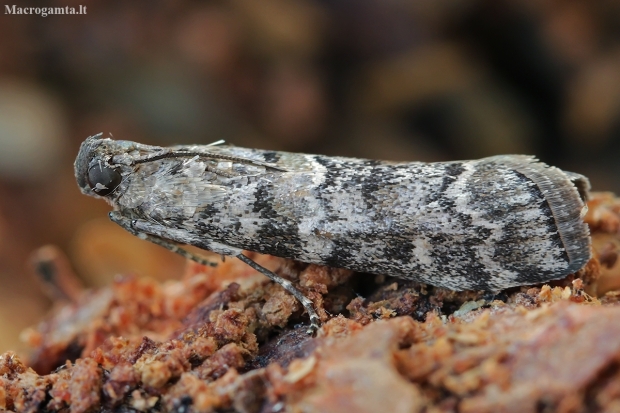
{"x": 426, "y": 80}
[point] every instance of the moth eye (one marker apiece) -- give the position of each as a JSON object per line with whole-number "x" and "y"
{"x": 102, "y": 179}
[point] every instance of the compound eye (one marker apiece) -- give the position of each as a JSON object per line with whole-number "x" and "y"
{"x": 103, "y": 180}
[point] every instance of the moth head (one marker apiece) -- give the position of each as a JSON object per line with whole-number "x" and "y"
{"x": 93, "y": 171}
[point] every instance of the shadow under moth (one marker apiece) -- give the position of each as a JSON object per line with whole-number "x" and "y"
{"x": 486, "y": 224}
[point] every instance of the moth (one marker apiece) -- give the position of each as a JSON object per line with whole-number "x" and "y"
{"x": 486, "y": 224}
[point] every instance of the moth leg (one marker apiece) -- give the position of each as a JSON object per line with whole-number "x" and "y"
{"x": 130, "y": 226}
{"x": 143, "y": 229}
{"x": 288, "y": 286}
{"x": 177, "y": 249}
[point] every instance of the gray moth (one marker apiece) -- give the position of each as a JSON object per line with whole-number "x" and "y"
{"x": 486, "y": 224}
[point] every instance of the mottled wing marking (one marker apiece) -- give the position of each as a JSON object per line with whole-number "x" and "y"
{"x": 483, "y": 224}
